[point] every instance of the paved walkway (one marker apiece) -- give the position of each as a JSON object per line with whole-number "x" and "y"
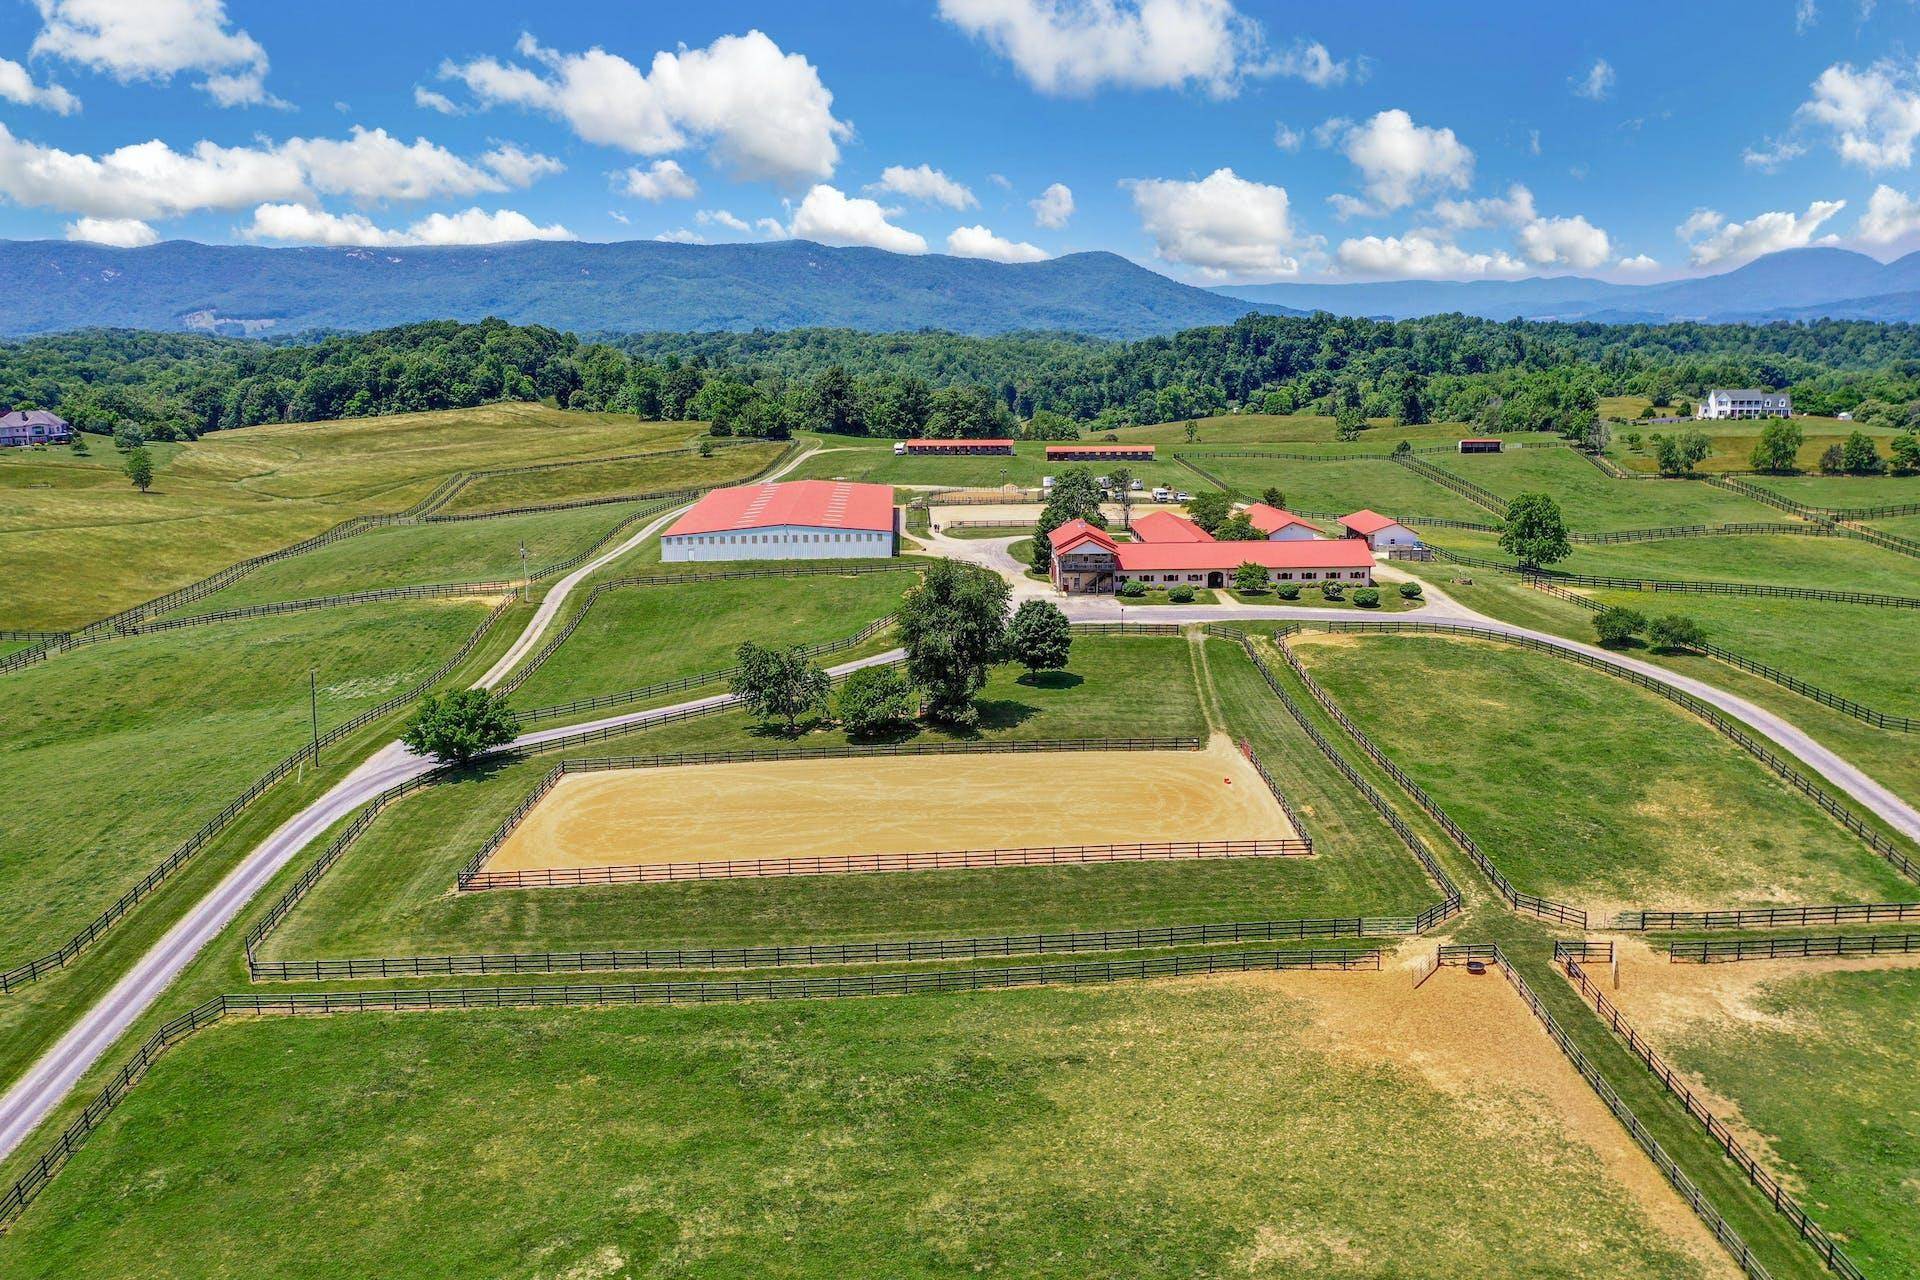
{"x": 41, "y": 1089}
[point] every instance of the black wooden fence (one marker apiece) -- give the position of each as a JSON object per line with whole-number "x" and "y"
{"x": 1822, "y": 947}
{"x": 1769, "y": 917}
{"x": 1472, "y": 492}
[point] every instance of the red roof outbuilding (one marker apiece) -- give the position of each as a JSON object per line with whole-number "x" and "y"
{"x": 1271, "y": 520}
{"x": 1367, "y": 523}
{"x": 1074, "y": 532}
{"x": 815, "y": 504}
{"x": 1165, "y": 526}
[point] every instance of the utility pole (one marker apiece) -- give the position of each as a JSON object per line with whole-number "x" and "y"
{"x": 313, "y": 709}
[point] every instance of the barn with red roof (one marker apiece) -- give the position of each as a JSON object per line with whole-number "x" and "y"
{"x": 1281, "y": 526}
{"x": 1382, "y": 533}
{"x": 1087, "y": 559}
{"x": 798, "y": 520}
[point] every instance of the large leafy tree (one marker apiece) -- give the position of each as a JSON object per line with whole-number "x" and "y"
{"x": 1778, "y": 447}
{"x": 1534, "y": 532}
{"x": 779, "y": 684}
{"x": 1039, "y": 637}
{"x": 1074, "y": 496}
{"x": 953, "y": 626}
{"x": 455, "y": 727}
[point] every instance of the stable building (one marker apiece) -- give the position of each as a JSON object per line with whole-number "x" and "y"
{"x": 944, "y": 448}
{"x": 1480, "y": 444}
{"x": 1086, "y": 560}
{"x": 1281, "y": 526}
{"x": 1099, "y": 453}
{"x": 1165, "y": 526}
{"x": 1382, "y": 533}
{"x": 798, "y": 520}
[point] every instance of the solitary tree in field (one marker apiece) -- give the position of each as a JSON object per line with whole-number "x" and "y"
{"x": 1906, "y": 452}
{"x": 1193, "y": 431}
{"x": 1209, "y": 509}
{"x": 1860, "y": 456}
{"x": 1679, "y": 455}
{"x": 953, "y": 626}
{"x": 1039, "y": 637}
{"x": 455, "y": 727}
{"x": 140, "y": 469}
{"x": 1618, "y": 624}
{"x": 1676, "y": 631}
{"x": 873, "y": 699}
{"x": 780, "y": 684}
{"x": 1272, "y": 496}
{"x": 1348, "y": 423}
{"x": 1534, "y": 532}
{"x": 1833, "y": 459}
{"x": 1778, "y": 447}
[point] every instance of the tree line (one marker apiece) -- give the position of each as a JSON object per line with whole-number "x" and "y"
{"x": 1512, "y": 376}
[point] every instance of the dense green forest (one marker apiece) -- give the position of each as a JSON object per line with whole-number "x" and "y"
{"x": 1511, "y": 376}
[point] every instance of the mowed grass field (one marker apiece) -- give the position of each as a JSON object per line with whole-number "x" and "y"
{"x": 1837, "y": 564}
{"x": 642, "y": 635}
{"x": 486, "y": 550}
{"x": 1732, "y": 440}
{"x": 1594, "y": 502}
{"x": 117, "y": 752}
{"x": 1844, "y": 493}
{"x": 1811, "y": 1058}
{"x": 1346, "y": 485}
{"x": 81, "y": 542}
{"x": 1268, "y": 1126}
{"x": 389, "y": 895}
{"x": 1292, "y": 429}
{"x": 1588, "y": 789}
{"x": 671, "y": 470}
{"x": 874, "y": 462}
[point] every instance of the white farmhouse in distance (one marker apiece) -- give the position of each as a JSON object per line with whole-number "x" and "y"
{"x": 1745, "y": 403}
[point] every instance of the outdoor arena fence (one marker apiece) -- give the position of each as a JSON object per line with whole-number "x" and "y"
{"x": 852, "y": 568}
{"x": 1530, "y": 903}
{"x": 1467, "y": 489}
{"x": 470, "y": 872}
{"x": 868, "y": 863}
{"x": 700, "y": 679}
{"x": 963, "y": 498}
{"x": 1730, "y": 729}
{"x": 34, "y": 970}
{"x": 1765, "y": 1183}
{"x": 1824, "y": 947}
{"x": 1584, "y": 952}
{"x": 1667, "y": 532}
{"x": 1768, "y": 917}
{"x": 1451, "y": 902}
{"x": 920, "y": 982}
{"x": 1298, "y": 823}
{"x": 1013, "y": 526}
{"x": 792, "y": 955}
{"x": 1722, "y": 1230}
{"x": 1786, "y": 680}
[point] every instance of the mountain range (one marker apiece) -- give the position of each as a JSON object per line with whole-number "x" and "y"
{"x": 624, "y": 287}
{"x": 650, "y": 286}
{"x": 1795, "y": 284}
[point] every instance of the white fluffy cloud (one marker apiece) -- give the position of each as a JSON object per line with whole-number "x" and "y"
{"x": 1637, "y": 263}
{"x": 1873, "y": 114}
{"x": 152, "y": 180}
{"x": 1772, "y": 153}
{"x": 1400, "y": 160}
{"x": 303, "y": 224}
{"x": 926, "y": 183}
{"x": 721, "y": 218}
{"x": 764, "y": 113}
{"x": 661, "y": 180}
{"x": 1287, "y": 138}
{"x": 1710, "y": 238}
{"x": 122, "y": 233}
{"x": 156, "y": 40}
{"x": 1422, "y": 254}
{"x": 1891, "y": 215}
{"x": 1223, "y": 224}
{"x": 830, "y": 216}
{"x": 434, "y": 100}
{"x": 16, "y": 85}
{"x": 1053, "y": 206}
{"x": 1597, "y": 83}
{"x": 978, "y": 242}
{"x": 1570, "y": 242}
{"x": 1078, "y": 46}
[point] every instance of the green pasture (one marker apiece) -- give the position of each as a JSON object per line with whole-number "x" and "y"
{"x": 1055, "y": 1132}
{"x": 1815, "y": 1064}
{"x": 1316, "y": 430}
{"x": 119, "y": 751}
{"x": 82, "y": 543}
{"x": 874, "y": 462}
{"x": 1899, "y": 526}
{"x": 1346, "y": 485}
{"x": 1732, "y": 440}
{"x": 1585, "y": 788}
{"x": 1844, "y": 492}
{"x": 1837, "y": 564}
{"x": 640, "y": 635}
{"x": 1594, "y": 502}
{"x": 607, "y": 479}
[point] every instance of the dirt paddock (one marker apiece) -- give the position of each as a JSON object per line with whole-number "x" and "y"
{"x": 828, "y": 808}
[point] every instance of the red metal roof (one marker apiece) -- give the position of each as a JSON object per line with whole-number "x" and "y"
{"x": 1057, "y": 449}
{"x": 1272, "y": 519}
{"x": 819, "y": 504}
{"x": 1074, "y": 532}
{"x": 1165, "y": 526}
{"x": 1307, "y": 553}
{"x": 948, "y": 444}
{"x": 1367, "y": 523}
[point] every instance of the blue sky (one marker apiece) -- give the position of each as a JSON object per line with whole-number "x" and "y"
{"x": 1215, "y": 140}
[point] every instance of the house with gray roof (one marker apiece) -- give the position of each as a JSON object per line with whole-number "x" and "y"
{"x": 33, "y": 426}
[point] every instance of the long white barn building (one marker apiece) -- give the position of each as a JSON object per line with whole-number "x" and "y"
{"x": 799, "y": 520}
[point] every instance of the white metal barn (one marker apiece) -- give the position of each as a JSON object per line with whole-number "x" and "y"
{"x": 799, "y": 520}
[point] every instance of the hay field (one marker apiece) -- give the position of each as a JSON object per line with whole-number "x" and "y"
{"x": 892, "y": 804}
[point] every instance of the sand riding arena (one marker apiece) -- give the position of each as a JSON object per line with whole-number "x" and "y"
{"x": 810, "y": 813}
